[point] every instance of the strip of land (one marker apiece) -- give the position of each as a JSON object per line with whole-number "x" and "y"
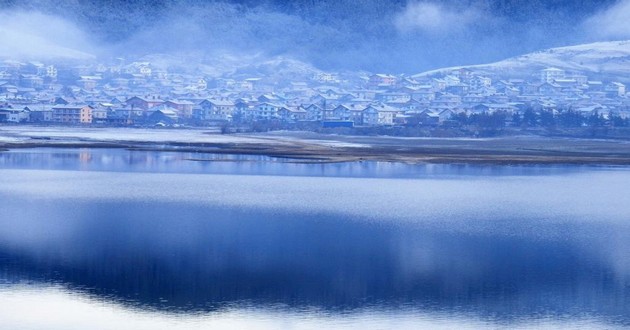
{"x": 312, "y": 147}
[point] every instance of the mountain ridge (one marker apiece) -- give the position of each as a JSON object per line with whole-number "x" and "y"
{"x": 603, "y": 60}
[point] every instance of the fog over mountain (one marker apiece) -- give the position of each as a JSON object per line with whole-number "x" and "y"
{"x": 404, "y": 36}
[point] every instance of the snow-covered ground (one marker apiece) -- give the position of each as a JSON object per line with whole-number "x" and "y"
{"x": 70, "y": 134}
{"x": 30, "y": 134}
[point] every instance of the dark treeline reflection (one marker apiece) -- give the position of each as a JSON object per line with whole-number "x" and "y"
{"x": 187, "y": 258}
{"x": 121, "y": 160}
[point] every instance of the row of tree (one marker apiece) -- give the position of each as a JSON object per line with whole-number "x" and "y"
{"x": 544, "y": 118}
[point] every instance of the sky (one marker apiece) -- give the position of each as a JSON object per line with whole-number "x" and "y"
{"x": 401, "y": 36}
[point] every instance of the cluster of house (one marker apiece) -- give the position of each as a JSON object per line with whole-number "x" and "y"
{"x": 139, "y": 94}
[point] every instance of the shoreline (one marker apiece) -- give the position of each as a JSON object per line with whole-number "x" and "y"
{"x": 316, "y": 155}
{"x": 318, "y": 148}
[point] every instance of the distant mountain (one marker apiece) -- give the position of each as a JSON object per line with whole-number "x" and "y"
{"x": 233, "y": 65}
{"x": 600, "y": 60}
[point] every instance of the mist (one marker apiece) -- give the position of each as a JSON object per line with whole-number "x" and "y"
{"x": 33, "y": 35}
{"x": 390, "y": 36}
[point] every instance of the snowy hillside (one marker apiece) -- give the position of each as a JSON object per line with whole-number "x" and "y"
{"x": 609, "y": 60}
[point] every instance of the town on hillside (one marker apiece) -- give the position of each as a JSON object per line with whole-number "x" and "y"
{"x": 141, "y": 95}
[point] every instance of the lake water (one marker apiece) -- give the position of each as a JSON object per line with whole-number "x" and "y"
{"x": 117, "y": 239}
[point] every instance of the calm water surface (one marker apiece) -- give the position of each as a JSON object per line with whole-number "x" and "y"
{"x": 117, "y": 239}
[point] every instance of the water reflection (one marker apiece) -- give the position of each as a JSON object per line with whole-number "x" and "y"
{"x": 192, "y": 258}
{"x": 122, "y": 160}
{"x": 472, "y": 251}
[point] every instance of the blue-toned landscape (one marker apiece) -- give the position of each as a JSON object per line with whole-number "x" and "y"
{"x": 314, "y": 164}
{"x": 157, "y": 240}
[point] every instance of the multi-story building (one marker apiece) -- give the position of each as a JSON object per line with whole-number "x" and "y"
{"x": 222, "y": 109}
{"x": 550, "y": 75}
{"x": 74, "y": 114}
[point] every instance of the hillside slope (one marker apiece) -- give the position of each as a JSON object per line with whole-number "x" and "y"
{"x": 602, "y": 60}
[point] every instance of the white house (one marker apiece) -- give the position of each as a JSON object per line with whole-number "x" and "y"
{"x": 549, "y": 75}
{"x": 379, "y": 114}
{"x": 267, "y": 110}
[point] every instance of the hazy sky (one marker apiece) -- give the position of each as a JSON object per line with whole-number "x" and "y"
{"x": 398, "y": 36}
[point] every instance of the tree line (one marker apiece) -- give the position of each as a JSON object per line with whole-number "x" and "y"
{"x": 542, "y": 118}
